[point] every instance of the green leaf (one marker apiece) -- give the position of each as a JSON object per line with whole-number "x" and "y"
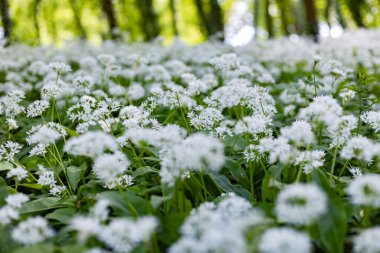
{"x": 40, "y": 205}
{"x": 4, "y": 165}
{"x": 32, "y": 186}
{"x": 63, "y": 215}
{"x": 333, "y": 224}
{"x": 73, "y": 249}
{"x": 226, "y": 185}
{"x": 237, "y": 171}
{"x": 38, "y": 248}
{"x": 74, "y": 174}
{"x": 144, "y": 170}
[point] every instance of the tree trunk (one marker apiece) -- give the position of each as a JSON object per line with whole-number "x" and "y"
{"x": 109, "y": 10}
{"x": 6, "y": 20}
{"x": 78, "y": 22}
{"x": 355, "y": 7}
{"x": 268, "y": 20}
{"x": 311, "y": 18}
{"x": 216, "y": 19}
{"x": 173, "y": 9}
{"x": 205, "y": 24}
{"x": 327, "y": 12}
{"x": 36, "y": 5}
{"x": 340, "y": 17}
{"x": 149, "y": 21}
{"x": 256, "y": 12}
{"x": 282, "y": 5}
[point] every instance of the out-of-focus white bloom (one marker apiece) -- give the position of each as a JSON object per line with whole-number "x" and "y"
{"x": 284, "y": 240}
{"x": 323, "y": 109}
{"x": 136, "y": 92}
{"x": 7, "y": 214}
{"x": 300, "y": 133}
{"x": 16, "y": 200}
{"x": 279, "y": 150}
{"x": 36, "y": 108}
{"x": 32, "y": 231}
{"x": 123, "y": 235}
{"x": 197, "y": 152}
{"x": 368, "y": 241}
{"x": 60, "y": 67}
{"x": 365, "y": 190}
{"x": 108, "y": 167}
{"x": 372, "y": 118}
{"x": 91, "y": 144}
{"x": 225, "y": 62}
{"x": 43, "y": 134}
{"x": 17, "y": 173}
{"x": 359, "y": 147}
{"x": 254, "y": 125}
{"x": 310, "y": 160}
{"x": 300, "y": 204}
{"x": 9, "y": 150}
{"x": 85, "y": 227}
{"x": 204, "y": 230}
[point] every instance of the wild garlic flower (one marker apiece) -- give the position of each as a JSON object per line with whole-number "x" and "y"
{"x": 32, "y": 231}
{"x": 17, "y": 173}
{"x": 367, "y": 241}
{"x": 108, "y": 167}
{"x": 300, "y": 204}
{"x": 60, "y": 67}
{"x": 123, "y": 234}
{"x": 284, "y": 240}
{"x": 310, "y": 160}
{"x": 36, "y": 108}
{"x": 91, "y": 144}
{"x": 9, "y": 149}
{"x": 365, "y": 190}
{"x": 372, "y": 118}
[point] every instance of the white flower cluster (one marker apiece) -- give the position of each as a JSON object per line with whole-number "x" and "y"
{"x": 205, "y": 229}
{"x": 10, "y": 211}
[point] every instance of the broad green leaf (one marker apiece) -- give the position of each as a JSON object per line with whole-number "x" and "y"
{"x": 74, "y": 174}
{"x": 144, "y": 170}
{"x": 333, "y": 224}
{"x": 226, "y": 185}
{"x": 63, "y": 215}
{"x": 40, "y": 205}
{"x": 38, "y": 248}
{"x": 4, "y": 165}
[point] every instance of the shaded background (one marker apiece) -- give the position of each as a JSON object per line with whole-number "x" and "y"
{"x": 236, "y": 22}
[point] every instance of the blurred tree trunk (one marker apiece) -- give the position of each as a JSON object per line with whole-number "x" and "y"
{"x": 282, "y": 6}
{"x": 268, "y": 20}
{"x": 256, "y": 12}
{"x": 216, "y": 19}
{"x": 311, "y": 18}
{"x": 173, "y": 9}
{"x": 36, "y": 6}
{"x": 340, "y": 17}
{"x": 327, "y": 11}
{"x": 205, "y": 24}
{"x": 6, "y": 20}
{"x": 77, "y": 19}
{"x": 109, "y": 10}
{"x": 149, "y": 20}
{"x": 355, "y": 7}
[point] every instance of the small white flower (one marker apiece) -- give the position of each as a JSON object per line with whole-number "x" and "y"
{"x": 365, "y": 190}
{"x": 368, "y": 241}
{"x": 60, "y": 67}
